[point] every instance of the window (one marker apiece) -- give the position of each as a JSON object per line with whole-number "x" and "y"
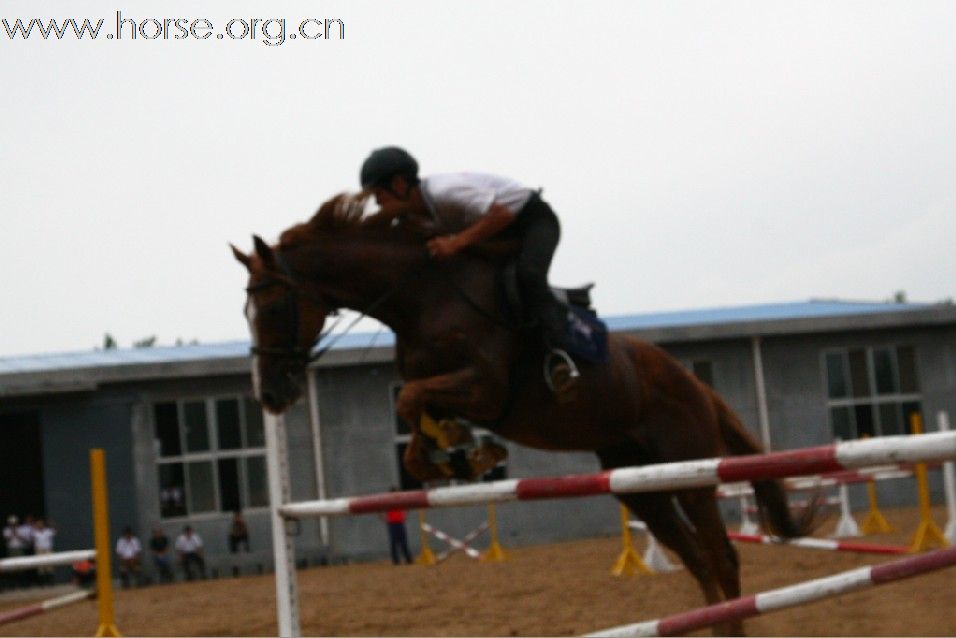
{"x": 871, "y": 391}
{"x": 403, "y": 435}
{"x": 210, "y": 455}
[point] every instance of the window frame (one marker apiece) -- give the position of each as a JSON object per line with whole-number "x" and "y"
{"x": 213, "y": 455}
{"x": 873, "y": 399}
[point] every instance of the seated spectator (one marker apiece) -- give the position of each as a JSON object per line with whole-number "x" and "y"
{"x": 162, "y": 559}
{"x": 189, "y": 547}
{"x": 130, "y": 552}
{"x": 84, "y": 573}
{"x": 238, "y": 533}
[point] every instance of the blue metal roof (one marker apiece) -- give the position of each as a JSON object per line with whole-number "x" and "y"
{"x": 645, "y": 321}
{"x": 759, "y": 312}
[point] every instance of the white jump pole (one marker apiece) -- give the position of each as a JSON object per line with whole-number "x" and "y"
{"x": 949, "y": 483}
{"x": 283, "y": 547}
{"x": 20, "y": 563}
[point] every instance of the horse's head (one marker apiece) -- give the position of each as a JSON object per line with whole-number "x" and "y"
{"x": 286, "y": 317}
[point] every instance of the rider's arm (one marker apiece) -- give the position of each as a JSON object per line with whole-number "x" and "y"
{"x": 488, "y": 225}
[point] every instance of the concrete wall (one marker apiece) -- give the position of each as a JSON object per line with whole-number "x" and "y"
{"x": 797, "y": 394}
{"x": 358, "y": 449}
{"x": 358, "y": 445}
{"x": 70, "y": 429}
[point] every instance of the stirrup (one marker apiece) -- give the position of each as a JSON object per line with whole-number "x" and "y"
{"x": 562, "y": 357}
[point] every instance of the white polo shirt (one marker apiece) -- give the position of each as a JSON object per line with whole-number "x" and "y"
{"x": 473, "y": 193}
{"x": 188, "y": 544}
{"x": 25, "y": 532}
{"x": 128, "y": 548}
{"x": 43, "y": 539}
{"x": 12, "y": 537}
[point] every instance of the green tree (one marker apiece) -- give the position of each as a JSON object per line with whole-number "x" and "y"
{"x": 145, "y": 342}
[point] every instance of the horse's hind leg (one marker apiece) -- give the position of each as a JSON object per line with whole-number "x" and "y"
{"x": 700, "y": 506}
{"x": 659, "y": 512}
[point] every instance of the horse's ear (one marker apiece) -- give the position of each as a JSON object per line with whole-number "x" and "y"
{"x": 241, "y": 257}
{"x": 264, "y": 251}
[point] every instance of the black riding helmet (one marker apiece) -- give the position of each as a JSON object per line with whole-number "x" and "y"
{"x": 384, "y": 163}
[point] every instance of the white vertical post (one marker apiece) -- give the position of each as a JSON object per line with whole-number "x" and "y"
{"x": 747, "y": 525}
{"x": 949, "y": 483}
{"x": 317, "y": 450}
{"x": 847, "y": 526}
{"x": 283, "y": 547}
{"x": 762, "y": 412}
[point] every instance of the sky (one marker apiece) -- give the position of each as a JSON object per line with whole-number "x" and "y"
{"x": 698, "y": 154}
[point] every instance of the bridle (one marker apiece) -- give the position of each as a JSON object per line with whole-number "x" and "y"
{"x": 291, "y": 305}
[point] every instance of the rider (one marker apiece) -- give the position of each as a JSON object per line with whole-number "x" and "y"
{"x": 391, "y": 175}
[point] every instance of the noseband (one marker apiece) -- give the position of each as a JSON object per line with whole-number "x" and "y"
{"x": 290, "y": 305}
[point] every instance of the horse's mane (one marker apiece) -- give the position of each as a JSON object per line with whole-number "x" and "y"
{"x": 344, "y": 212}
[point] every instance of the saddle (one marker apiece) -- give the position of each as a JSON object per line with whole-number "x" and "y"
{"x": 452, "y": 447}
{"x": 585, "y": 336}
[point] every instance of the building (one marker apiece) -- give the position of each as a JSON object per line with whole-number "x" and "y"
{"x": 184, "y": 439}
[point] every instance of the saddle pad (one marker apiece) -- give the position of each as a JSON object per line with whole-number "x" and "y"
{"x": 585, "y": 335}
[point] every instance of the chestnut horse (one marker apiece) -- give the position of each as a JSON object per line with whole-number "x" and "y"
{"x": 460, "y": 358}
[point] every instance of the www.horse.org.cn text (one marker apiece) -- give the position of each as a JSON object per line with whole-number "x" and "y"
{"x": 268, "y": 31}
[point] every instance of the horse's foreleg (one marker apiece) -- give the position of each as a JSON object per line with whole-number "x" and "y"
{"x": 463, "y": 392}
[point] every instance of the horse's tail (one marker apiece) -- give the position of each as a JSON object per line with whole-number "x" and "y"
{"x": 773, "y": 510}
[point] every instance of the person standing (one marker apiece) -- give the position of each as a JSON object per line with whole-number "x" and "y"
{"x": 43, "y": 544}
{"x": 130, "y": 552}
{"x": 238, "y": 533}
{"x": 15, "y": 547}
{"x": 25, "y": 532}
{"x": 189, "y": 546}
{"x": 397, "y": 535}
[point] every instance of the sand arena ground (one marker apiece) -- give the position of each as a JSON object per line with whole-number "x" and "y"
{"x": 554, "y": 590}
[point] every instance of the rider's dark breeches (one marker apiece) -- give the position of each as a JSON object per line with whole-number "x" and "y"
{"x": 540, "y": 232}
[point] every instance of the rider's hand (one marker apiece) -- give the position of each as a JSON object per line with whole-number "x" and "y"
{"x": 443, "y": 247}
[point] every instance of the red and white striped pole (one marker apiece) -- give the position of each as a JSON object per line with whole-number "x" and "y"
{"x": 650, "y": 478}
{"x": 459, "y": 545}
{"x": 792, "y": 596}
{"x": 41, "y": 607}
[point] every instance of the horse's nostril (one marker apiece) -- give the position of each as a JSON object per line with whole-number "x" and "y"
{"x": 268, "y": 399}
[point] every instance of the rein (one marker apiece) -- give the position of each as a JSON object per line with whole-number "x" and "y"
{"x": 291, "y": 302}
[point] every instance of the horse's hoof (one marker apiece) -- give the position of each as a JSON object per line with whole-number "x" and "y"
{"x": 485, "y": 458}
